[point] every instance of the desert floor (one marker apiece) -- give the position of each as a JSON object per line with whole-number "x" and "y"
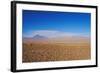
{"x": 42, "y": 52}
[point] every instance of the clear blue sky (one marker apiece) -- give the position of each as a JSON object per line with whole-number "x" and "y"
{"x": 71, "y": 22}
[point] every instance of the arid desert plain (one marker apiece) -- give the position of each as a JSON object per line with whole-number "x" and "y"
{"x": 56, "y": 49}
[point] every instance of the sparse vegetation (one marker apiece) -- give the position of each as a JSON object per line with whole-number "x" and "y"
{"x": 41, "y": 52}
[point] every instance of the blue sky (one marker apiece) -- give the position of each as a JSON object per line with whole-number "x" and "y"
{"x": 44, "y": 22}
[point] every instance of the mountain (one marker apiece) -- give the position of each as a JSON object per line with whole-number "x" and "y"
{"x": 39, "y": 37}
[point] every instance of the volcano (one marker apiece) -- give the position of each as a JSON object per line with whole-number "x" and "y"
{"x": 39, "y": 37}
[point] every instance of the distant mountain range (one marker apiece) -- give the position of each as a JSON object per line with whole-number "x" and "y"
{"x": 67, "y": 39}
{"x": 39, "y": 37}
{"x": 36, "y": 37}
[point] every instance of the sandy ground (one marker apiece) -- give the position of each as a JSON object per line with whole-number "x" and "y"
{"x": 58, "y": 51}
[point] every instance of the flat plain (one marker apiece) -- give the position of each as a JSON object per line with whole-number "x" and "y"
{"x": 60, "y": 49}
